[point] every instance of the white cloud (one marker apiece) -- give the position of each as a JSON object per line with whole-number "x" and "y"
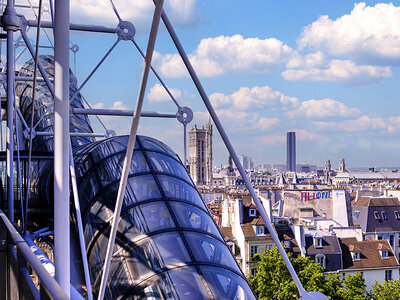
{"x": 323, "y": 108}
{"x": 219, "y": 55}
{"x": 363, "y": 123}
{"x": 305, "y": 135}
{"x": 339, "y": 70}
{"x": 368, "y": 34}
{"x": 254, "y": 98}
{"x": 309, "y": 61}
{"x": 280, "y": 139}
{"x": 238, "y": 120}
{"x": 273, "y": 139}
{"x": 266, "y": 123}
{"x": 183, "y": 12}
{"x": 158, "y": 94}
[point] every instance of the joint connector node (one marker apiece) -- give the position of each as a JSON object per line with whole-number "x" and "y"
{"x": 10, "y": 20}
{"x": 126, "y": 30}
{"x": 27, "y": 133}
{"x": 184, "y": 115}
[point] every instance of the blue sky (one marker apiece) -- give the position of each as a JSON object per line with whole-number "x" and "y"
{"x": 328, "y": 70}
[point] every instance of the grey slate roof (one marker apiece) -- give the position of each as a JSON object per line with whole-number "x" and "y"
{"x": 367, "y": 206}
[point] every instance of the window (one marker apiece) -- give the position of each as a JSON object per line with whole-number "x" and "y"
{"x": 356, "y": 214}
{"x": 397, "y": 215}
{"x": 252, "y": 212}
{"x": 384, "y": 216}
{"x": 253, "y": 271}
{"x": 379, "y": 236}
{"x": 259, "y": 229}
{"x": 356, "y": 255}
{"x": 320, "y": 260}
{"x": 391, "y": 240}
{"x": 231, "y": 248}
{"x": 253, "y": 250}
{"x": 384, "y": 254}
{"x": 269, "y": 247}
{"x": 318, "y": 242}
{"x": 362, "y": 274}
{"x": 286, "y": 244}
{"x": 377, "y": 215}
{"x": 388, "y": 275}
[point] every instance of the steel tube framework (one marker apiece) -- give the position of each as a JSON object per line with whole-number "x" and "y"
{"x": 47, "y": 282}
{"x": 77, "y": 27}
{"x": 61, "y": 145}
{"x": 232, "y": 152}
{"x": 122, "y": 113}
{"x": 130, "y": 147}
{"x": 10, "y": 10}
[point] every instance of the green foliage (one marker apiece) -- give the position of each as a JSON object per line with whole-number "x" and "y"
{"x": 390, "y": 290}
{"x": 273, "y": 280}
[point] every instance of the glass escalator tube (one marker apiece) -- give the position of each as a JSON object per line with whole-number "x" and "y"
{"x": 167, "y": 245}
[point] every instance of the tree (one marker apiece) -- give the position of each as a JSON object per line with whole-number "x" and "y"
{"x": 273, "y": 280}
{"x": 388, "y": 290}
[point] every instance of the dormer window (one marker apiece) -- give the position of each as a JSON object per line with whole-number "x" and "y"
{"x": 356, "y": 255}
{"x": 384, "y": 254}
{"x": 317, "y": 242}
{"x": 356, "y": 214}
{"x": 260, "y": 230}
{"x": 252, "y": 212}
{"x": 397, "y": 215}
{"x": 384, "y": 216}
{"x": 320, "y": 259}
{"x": 377, "y": 215}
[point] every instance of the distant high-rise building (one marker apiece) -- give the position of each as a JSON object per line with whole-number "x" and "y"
{"x": 244, "y": 161}
{"x": 291, "y": 151}
{"x": 200, "y": 154}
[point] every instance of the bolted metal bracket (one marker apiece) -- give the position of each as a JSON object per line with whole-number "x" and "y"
{"x": 74, "y": 48}
{"x": 10, "y": 20}
{"x": 184, "y": 115}
{"x": 27, "y": 132}
{"x": 126, "y": 30}
{"x": 110, "y": 133}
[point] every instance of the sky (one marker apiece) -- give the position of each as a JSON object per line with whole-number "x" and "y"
{"x": 328, "y": 70}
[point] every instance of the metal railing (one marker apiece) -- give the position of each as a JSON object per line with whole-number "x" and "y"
{"x": 18, "y": 264}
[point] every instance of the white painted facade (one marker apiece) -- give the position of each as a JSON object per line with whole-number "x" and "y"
{"x": 372, "y": 275}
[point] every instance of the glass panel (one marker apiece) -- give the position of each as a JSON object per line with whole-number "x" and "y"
{"x": 166, "y": 164}
{"x": 157, "y": 287}
{"x": 178, "y": 189}
{"x": 171, "y": 249}
{"x": 190, "y": 216}
{"x": 226, "y": 285}
{"x": 207, "y": 249}
{"x": 188, "y": 284}
{"x": 144, "y": 259}
{"x": 144, "y": 187}
{"x": 157, "y": 216}
{"x": 149, "y": 143}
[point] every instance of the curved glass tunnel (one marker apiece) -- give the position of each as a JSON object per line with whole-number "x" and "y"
{"x": 167, "y": 245}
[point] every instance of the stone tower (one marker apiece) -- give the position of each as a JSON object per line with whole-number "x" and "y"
{"x": 328, "y": 166}
{"x": 200, "y": 154}
{"x": 342, "y": 166}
